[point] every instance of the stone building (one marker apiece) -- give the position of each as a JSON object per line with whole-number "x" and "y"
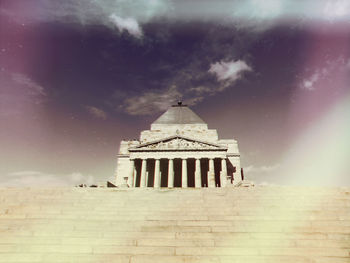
{"x": 178, "y": 151}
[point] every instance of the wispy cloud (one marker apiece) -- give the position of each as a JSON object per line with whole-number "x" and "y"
{"x": 128, "y": 24}
{"x": 151, "y": 101}
{"x": 29, "y": 83}
{"x": 229, "y": 72}
{"x": 200, "y": 90}
{"x": 96, "y": 112}
{"x": 324, "y": 73}
{"x": 348, "y": 64}
{"x": 20, "y": 94}
{"x": 125, "y": 15}
{"x": 39, "y": 179}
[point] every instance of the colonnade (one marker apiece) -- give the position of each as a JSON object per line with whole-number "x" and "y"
{"x": 184, "y": 173}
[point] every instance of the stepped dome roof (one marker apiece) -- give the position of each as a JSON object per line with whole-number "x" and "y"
{"x": 179, "y": 114}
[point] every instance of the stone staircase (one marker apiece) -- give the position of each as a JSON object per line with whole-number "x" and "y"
{"x": 257, "y": 224}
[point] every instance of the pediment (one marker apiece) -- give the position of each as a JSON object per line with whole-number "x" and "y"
{"x": 178, "y": 143}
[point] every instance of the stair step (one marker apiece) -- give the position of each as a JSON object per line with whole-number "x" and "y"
{"x": 260, "y": 224}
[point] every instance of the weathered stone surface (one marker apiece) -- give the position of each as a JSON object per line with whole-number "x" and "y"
{"x": 178, "y": 134}
{"x": 260, "y": 224}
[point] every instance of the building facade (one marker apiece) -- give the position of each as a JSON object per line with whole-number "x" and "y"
{"x": 178, "y": 151}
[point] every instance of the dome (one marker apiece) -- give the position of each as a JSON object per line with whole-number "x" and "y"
{"x": 179, "y": 114}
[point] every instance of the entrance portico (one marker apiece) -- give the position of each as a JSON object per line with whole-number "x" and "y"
{"x": 138, "y": 179}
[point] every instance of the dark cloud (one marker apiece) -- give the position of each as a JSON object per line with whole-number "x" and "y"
{"x": 246, "y": 67}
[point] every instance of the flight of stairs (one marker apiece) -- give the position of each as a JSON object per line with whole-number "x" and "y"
{"x": 256, "y": 224}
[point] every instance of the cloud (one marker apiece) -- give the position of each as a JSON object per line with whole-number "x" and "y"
{"x": 20, "y": 95}
{"x": 151, "y": 101}
{"x": 308, "y": 84}
{"x": 200, "y": 90}
{"x": 128, "y": 24}
{"x": 327, "y": 72}
{"x": 254, "y": 14}
{"x": 96, "y": 112}
{"x": 154, "y": 101}
{"x": 336, "y": 9}
{"x": 261, "y": 169}
{"x": 264, "y": 173}
{"x": 229, "y": 72}
{"x": 29, "y": 83}
{"x": 348, "y": 64}
{"x": 39, "y": 179}
{"x": 260, "y": 15}
{"x": 110, "y": 13}
{"x": 260, "y": 9}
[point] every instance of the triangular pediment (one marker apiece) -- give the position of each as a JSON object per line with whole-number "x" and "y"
{"x": 178, "y": 143}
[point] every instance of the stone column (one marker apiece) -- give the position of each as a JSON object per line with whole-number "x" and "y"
{"x": 131, "y": 173}
{"x": 135, "y": 176}
{"x": 197, "y": 175}
{"x": 147, "y": 174}
{"x": 237, "y": 177}
{"x": 223, "y": 174}
{"x": 143, "y": 173}
{"x": 211, "y": 174}
{"x": 171, "y": 173}
{"x": 157, "y": 174}
{"x": 184, "y": 174}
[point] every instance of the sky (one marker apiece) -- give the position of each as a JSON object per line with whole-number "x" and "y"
{"x": 78, "y": 76}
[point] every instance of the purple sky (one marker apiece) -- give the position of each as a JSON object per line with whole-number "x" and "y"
{"x": 77, "y": 76}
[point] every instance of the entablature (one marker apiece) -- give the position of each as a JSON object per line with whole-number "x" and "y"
{"x": 178, "y": 155}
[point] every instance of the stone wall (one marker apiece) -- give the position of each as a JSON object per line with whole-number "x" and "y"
{"x": 258, "y": 224}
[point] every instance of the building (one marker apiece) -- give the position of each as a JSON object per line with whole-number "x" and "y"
{"x": 178, "y": 151}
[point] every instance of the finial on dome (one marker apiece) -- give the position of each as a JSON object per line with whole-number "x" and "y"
{"x": 179, "y": 104}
